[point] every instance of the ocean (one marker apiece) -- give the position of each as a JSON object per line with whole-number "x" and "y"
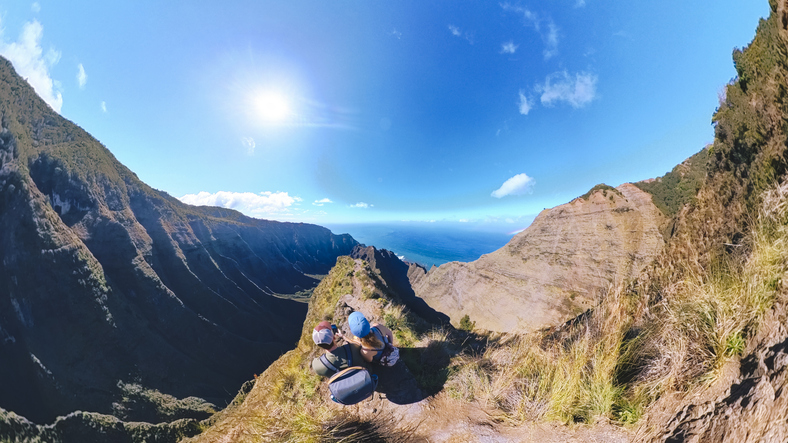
{"x": 426, "y": 243}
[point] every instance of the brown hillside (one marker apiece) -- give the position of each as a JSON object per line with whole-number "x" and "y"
{"x": 555, "y": 269}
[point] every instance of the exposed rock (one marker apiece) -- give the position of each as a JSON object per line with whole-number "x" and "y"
{"x": 747, "y": 404}
{"x": 397, "y": 276}
{"x": 554, "y": 270}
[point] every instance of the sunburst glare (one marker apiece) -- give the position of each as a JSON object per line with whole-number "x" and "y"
{"x": 273, "y": 106}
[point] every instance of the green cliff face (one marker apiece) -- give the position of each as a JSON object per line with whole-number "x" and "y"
{"x": 105, "y": 281}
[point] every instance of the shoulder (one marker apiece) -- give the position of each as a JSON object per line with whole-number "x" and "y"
{"x": 319, "y": 367}
{"x": 381, "y": 328}
{"x": 384, "y": 331}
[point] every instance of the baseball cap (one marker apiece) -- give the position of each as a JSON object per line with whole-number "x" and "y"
{"x": 322, "y": 334}
{"x": 359, "y": 325}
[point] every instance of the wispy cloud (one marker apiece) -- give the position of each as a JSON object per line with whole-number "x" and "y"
{"x": 577, "y": 90}
{"x": 104, "y": 107}
{"x": 524, "y": 104}
{"x": 32, "y": 63}
{"x": 551, "y": 40}
{"x": 518, "y": 185}
{"x": 249, "y": 144}
{"x": 396, "y": 33}
{"x": 546, "y": 28}
{"x": 580, "y": 3}
{"x": 82, "y": 77}
{"x": 264, "y": 204}
{"x": 457, "y": 32}
{"x": 509, "y": 48}
{"x": 321, "y": 202}
{"x": 35, "y": 7}
{"x": 362, "y": 205}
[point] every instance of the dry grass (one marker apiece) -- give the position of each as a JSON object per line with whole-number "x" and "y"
{"x": 630, "y": 350}
{"x": 610, "y": 363}
{"x": 706, "y": 318}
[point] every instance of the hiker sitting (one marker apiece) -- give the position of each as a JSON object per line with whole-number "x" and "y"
{"x": 336, "y": 358}
{"x": 376, "y": 341}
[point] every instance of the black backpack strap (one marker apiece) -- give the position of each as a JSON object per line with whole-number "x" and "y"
{"x": 349, "y": 354}
{"x": 328, "y": 364}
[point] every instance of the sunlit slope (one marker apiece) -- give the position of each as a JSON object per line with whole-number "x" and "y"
{"x": 557, "y": 268}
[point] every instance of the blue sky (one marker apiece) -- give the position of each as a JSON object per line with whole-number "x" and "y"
{"x": 363, "y": 111}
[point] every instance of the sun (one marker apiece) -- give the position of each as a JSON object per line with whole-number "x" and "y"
{"x": 273, "y": 106}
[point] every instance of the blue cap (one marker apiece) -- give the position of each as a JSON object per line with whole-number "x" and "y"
{"x": 359, "y": 325}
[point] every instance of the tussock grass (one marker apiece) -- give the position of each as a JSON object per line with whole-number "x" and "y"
{"x": 635, "y": 346}
{"x": 706, "y": 318}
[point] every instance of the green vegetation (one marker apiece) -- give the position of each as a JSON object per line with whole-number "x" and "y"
{"x": 289, "y": 402}
{"x": 622, "y": 357}
{"x": 148, "y": 405}
{"x": 679, "y": 186}
{"x": 605, "y": 191}
{"x": 466, "y": 324}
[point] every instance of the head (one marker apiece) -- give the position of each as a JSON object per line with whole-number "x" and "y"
{"x": 322, "y": 335}
{"x": 358, "y": 324}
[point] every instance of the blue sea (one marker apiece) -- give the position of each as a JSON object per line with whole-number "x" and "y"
{"x": 426, "y": 243}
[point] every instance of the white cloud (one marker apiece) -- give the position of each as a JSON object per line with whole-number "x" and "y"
{"x": 104, "y": 107}
{"x": 82, "y": 77}
{"x": 32, "y": 64}
{"x": 396, "y": 33}
{"x": 578, "y": 90}
{"x": 455, "y": 31}
{"x": 518, "y": 185}
{"x": 524, "y": 104}
{"x": 549, "y": 35}
{"x": 580, "y": 3}
{"x": 257, "y": 205}
{"x": 362, "y": 205}
{"x": 35, "y": 7}
{"x": 249, "y": 144}
{"x": 551, "y": 41}
{"x": 509, "y": 48}
{"x": 321, "y": 202}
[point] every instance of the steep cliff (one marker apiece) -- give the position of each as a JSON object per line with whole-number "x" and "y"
{"x": 107, "y": 283}
{"x": 414, "y": 401}
{"x": 554, "y": 270}
{"x": 743, "y": 401}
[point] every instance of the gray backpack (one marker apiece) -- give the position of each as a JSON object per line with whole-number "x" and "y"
{"x": 352, "y": 385}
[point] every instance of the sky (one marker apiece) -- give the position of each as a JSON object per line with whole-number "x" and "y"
{"x": 460, "y": 112}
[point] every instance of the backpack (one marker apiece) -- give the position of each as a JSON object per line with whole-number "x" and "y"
{"x": 332, "y": 369}
{"x": 388, "y": 355}
{"x": 352, "y": 385}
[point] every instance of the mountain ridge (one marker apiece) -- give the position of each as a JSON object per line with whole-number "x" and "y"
{"x": 106, "y": 281}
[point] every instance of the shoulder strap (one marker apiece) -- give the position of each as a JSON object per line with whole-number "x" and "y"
{"x": 345, "y": 371}
{"x": 348, "y": 353}
{"x": 328, "y": 364}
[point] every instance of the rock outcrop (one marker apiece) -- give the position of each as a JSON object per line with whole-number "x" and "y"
{"x": 554, "y": 270}
{"x": 107, "y": 282}
{"x": 747, "y": 404}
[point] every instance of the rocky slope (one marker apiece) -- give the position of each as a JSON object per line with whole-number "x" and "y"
{"x": 554, "y": 270}
{"x": 745, "y": 402}
{"x": 289, "y": 403}
{"x": 106, "y": 283}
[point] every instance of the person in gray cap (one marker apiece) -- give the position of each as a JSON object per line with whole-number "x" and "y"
{"x": 336, "y": 358}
